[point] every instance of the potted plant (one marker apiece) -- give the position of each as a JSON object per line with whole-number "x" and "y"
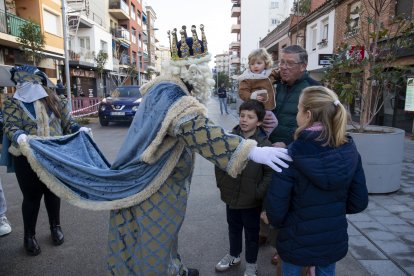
{"x": 363, "y": 72}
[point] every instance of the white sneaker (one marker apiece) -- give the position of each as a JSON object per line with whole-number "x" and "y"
{"x": 5, "y": 227}
{"x": 227, "y": 262}
{"x": 251, "y": 270}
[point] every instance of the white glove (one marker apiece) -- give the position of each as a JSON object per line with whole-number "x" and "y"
{"x": 270, "y": 156}
{"x": 22, "y": 138}
{"x": 87, "y": 130}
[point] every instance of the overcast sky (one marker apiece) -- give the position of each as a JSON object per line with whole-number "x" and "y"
{"x": 214, "y": 14}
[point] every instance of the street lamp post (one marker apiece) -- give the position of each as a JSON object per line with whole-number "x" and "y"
{"x": 139, "y": 67}
{"x": 66, "y": 49}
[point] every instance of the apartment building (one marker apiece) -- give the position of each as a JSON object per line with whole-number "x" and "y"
{"x": 254, "y": 20}
{"x": 46, "y": 13}
{"x": 88, "y": 34}
{"x": 163, "y": 54}
{"x": 277, "y": 39}
{"x": 126, "y": 24}
{"x": 222, "y": 62}
{"x": 151, "y": 58}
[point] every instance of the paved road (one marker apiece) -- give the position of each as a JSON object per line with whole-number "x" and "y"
{"x": 203, "y": 238}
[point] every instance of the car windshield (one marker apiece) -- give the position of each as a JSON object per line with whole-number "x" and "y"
{"x": 126, "y": 92}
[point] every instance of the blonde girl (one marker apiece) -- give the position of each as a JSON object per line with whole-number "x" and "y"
{"x": 308, "y": 202}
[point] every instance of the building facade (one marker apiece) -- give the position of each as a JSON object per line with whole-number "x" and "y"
{"x": 163, "y": 54}
{"x": 151, "y": 58}
{"x": 222, "y": 63}
{"x": 329, "y": 24}
{"x": 46, "y": 13}
{"x": 254, "y": 20}
{"x": 88, "y": 35}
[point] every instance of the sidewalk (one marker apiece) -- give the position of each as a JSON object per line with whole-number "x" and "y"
{"x": 381, "y": 239}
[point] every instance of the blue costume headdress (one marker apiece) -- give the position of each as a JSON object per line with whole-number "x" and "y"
{"x": 28, "y": 73}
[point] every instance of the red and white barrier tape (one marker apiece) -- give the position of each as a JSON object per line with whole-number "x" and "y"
{"x": 85, "y": 108}
{"x": 84, "y": 115}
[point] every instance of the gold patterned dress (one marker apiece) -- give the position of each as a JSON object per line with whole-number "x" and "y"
{"x": 143, "y": 238}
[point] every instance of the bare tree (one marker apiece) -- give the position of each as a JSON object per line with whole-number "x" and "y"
{"x": 32, "y": 41}
{"x": 124, "y": 68}
{"x": 367, "y": 70}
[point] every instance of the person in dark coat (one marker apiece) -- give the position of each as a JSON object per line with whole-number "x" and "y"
{"x": 294, "y": 78}
{"x": 244, "y": 194}
{"x": 222, "y": 94}
{"x": 308, "y": 202}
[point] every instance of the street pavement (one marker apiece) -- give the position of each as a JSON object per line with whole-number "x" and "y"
{"x": 381, "y": 238}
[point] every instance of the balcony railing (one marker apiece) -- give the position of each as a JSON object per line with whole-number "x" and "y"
{"x": 235, "y": 28}
{"x": 121, "y": 32}
{"x": 235, "y": 45}
{"x": 10, "y": 23}
{"x": 81, "y": 54}
{"x": 235, "y": 10}
{"x": 119, "y": 9}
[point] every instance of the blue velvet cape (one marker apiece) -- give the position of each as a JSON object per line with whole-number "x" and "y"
{"x": 75, "y": 169}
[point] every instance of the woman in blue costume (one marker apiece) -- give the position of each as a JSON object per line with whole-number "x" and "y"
{"x": 147, "y": 186}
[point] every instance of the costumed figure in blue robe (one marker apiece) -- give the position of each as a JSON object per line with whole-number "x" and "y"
{"x": 147, "y": 186}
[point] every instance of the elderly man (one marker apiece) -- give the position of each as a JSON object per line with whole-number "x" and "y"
{"x": 292, "y": 65}
{"x": 147, "y": 186}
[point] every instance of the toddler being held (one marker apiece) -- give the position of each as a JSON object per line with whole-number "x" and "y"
{"x": 257, "y": 82}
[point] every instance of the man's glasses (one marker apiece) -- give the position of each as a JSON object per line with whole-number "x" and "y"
{"x": 288, "y": 64}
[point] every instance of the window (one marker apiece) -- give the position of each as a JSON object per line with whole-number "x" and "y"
{"x": 133, "y": 16}
{"x": 84, "y": 44}
{"x": 134, "y": 57}
{"x": 354, "y": 11}
{"x": 274, "y": 5}
{"x": 403, "y": 8}
{"x": 104, "y": 46}
{"x": 314, "y": 38}
{"x": 51, "y": 23}
{"x": 139, "y": 21}
{"x": 275, "y": 21}
{"x": 325, "y": 29}
{"x": 133, "y": 36}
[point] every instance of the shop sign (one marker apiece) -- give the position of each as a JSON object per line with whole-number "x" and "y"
{"x": 325, "y": 59}
{"x": 82, "y": 73}
{"x": 409, "y": 95}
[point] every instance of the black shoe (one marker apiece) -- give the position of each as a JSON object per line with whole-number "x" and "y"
{"x": 57, "y": 235}
{"x": 31, "y": 246}
{"x": 192, "y": 272}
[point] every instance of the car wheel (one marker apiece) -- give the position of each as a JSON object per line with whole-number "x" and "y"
{"x": 103, "y": 122}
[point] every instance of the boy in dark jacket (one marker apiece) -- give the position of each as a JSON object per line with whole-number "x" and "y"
{"x": 308, "y": 202}
{"x": 243, "y": 195}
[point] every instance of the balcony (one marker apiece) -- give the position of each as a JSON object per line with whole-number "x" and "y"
{"x": 235, "y": 11}
{"x": 10, "y": 23}
{"x": 82, "y": 56}
{"x": 235, "y": 45}
{"x": 119, "y": 9}
{"x": 235, "y": 28}
{"x": 122, "y": 34}
{"x": 235, "y": 60}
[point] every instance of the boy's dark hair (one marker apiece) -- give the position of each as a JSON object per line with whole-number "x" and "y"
{"x": 256, "y": 106}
